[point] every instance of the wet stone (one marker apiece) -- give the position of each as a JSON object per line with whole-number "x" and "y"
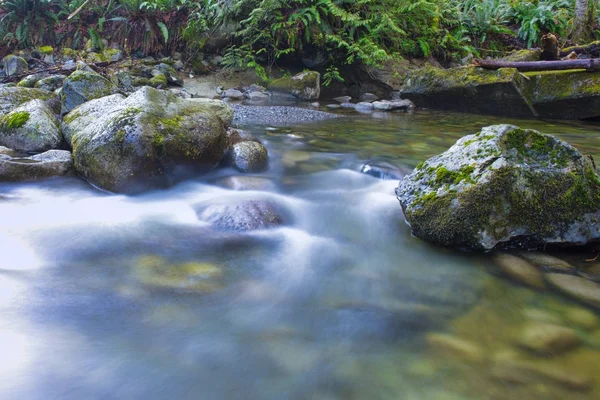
{"x": 576, "y": 287}
{"x": 547, "y": 262}
{"x": 453, "y": 346}
{"x": 548, "y": 339}
{"x": 520, "y": 270}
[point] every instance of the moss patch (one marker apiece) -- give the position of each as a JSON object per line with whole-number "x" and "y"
{"x": 14, "y": 120}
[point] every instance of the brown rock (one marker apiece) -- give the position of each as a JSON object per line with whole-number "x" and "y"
{"x": 520, "y": 270}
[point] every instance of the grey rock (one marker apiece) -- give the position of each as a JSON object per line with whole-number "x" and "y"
{"x": 368, "y": 97}
{"x": 149, "y": 139}
{"x": 363, "y": 106}
{"x": 455, "y": 347}
{"x": 237, "y": 135}
{"x": 14, "y": 65}
{"x": 30, "y": 80}
{"x": 242, "y": 215}
{"x": 178, "y": 65}
{"x": 51, "y": 83}
{"x": 343, "y": 99}
{"x": 170, "y": 73}
{"x": 31, "y": 127}
{"x": 40, "y": 166}
{"x": 12, "y": 97}
{"x": 256, "y": 96}
{"x": 248, "y": 156}
{"x": 305, "y": 85}
{"x": 182, "y": 94}
{"x": 481, "y": 192}
{"x": 233, "y": 94}
{"x": 386, "y": 105}
{"x": 348, "y": 105}
{"x": 333, "y": 106}
{"x": 82, "y": 86}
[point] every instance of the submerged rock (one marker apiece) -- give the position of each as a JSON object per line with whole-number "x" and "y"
{"x": 520, "y": 270}
{"x": 158, "y": 273}
{"x": 504, "y": 186}
{"x": 576, "y": 287}
{"x": 149, "y": 139}
{"x": 278, "y": 115}
{"x": 547, "y": 262}
{"x": 548, "y": 339}
{"x": 39, "y": 166}
{"x": 382, "y": 170}
{"x": 305, "y": 85}
{"x": 242, "y": 215}
{"x": 31, "y": 127}
{"x": 454, "y": 346}
{"x": 247, "y": 183}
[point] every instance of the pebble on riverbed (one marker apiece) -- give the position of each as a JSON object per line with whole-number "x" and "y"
{"x": 520, "y": 270}
{"x": 548, "y": 339}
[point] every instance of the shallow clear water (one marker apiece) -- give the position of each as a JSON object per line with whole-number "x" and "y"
{"x": 338, "y": 303}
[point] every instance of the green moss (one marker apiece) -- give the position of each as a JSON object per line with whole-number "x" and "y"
{"x": 446, "y": 176}
{"x": 420, "y": 165}
{"x": 68, "y": 52}
{"x": 120, "y": 135}
{"x": 158, "y": 81}
{"x": 47, "y": 50}
{"x": 14, "y": 120}
{"x": 139, "y": 81}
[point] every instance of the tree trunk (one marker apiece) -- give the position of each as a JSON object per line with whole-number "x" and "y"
{"x": 591, "y": 65}
{"x": 581, "y": 26}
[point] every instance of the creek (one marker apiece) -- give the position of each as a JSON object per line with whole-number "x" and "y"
{"x": 340, "y": 302}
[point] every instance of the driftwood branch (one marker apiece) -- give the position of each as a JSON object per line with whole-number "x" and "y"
{"x": 592, "y": 49}
{"x": 590, "y": 65}
{"x": 59, "y": 69}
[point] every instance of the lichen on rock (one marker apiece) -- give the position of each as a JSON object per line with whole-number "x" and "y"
{"x": 504, "y": 186}
{"x": 150, "y": 139}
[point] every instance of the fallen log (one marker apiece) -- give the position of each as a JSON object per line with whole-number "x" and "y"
{"x": 591, "y": 49}
{"x": 590, "y": 65}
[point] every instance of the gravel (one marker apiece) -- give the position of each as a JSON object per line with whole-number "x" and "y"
{"x": 277, "y": 115}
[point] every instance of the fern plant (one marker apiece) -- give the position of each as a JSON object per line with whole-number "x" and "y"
{"x": 29, "y": 22}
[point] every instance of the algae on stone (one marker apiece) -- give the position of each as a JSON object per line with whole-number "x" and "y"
{"x": 504, "y": 186}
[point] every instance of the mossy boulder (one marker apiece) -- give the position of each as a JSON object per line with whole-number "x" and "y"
{"x": 158, "y": 81}
{"x": 12, "y": 97}
{"x": 170, "y": 74}
{"x": 573, "y": 94}
{"x": 51, "y": 83}
{"x": 147, "y": 140}
{"x": 305, "y": 85}
{"x": 82, "y": 86}
{"x": 30, "y": 80}
{"x": 504, "y": 186}
{"x": 473, "y": 90}
{"x": 40, "y": 166}
{"x": 14, "y": 65}
{"x": 31, "y": 127}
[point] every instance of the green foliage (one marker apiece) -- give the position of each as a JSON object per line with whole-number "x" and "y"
{"x": 28, "y": 22}
{"x": 331, "y": 74}
{"x": 485, "y": 21}
{"x": 535, "y": 18}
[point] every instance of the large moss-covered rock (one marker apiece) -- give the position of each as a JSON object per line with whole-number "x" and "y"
{"x": 472, "y": 89}
{"x": 39, "y": 166}
{"x": 82, "y": 86}
{"x": 149, "y": 139}
{"x": 305, "y": 85}
{"x": 504, "y": 186}
{"x": 12, "y": 97}
{"x": 31, "y": 127}
{"x": 51, "y": 83}
{"x": 14, "y": 65}
{"x": 571, "y": 94}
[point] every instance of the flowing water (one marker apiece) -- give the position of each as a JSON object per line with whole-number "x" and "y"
{"x": 107, "y": 296}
